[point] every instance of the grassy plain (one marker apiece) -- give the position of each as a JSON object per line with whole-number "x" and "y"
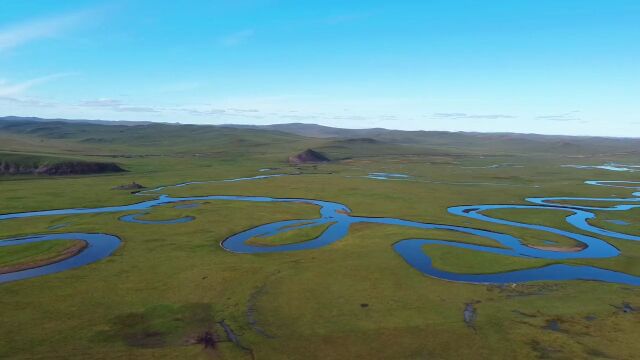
{"x": 30, "y": 255}
{"x": 355, "y": 298}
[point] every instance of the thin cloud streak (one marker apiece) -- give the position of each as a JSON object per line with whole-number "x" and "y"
{"x": 471, "y": 116}
{"x": 28, "y": 102}
{"x": 117, "y": 105}
{"x": 20, "y": 34}
{"x": 17, "y": 89}
{"x": 568, "y": 116}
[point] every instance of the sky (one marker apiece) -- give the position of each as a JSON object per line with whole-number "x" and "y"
{"x": 533, "y": 66}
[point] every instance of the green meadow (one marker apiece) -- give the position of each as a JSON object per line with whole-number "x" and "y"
{"x": 353, "y": 299}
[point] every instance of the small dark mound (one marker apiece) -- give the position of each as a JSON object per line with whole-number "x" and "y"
{"x": 207, "y": 339}
{"x": 133, "y": 186}
{"x": 308, "y": 156}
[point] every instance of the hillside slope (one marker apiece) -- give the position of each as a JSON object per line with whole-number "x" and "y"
{"x": 15, "y": 164}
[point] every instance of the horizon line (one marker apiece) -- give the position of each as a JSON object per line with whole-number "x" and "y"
{"x": 147, "y": 122}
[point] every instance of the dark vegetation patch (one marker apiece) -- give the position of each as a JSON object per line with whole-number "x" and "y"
{"x": 625, "y": 308}
{"x": 361, "y": 141}
{"x": 207, "y": 339}
{"x": 522, "y": 313}
{"x": 524, "y": 290}
{"x": 596, "y": 354}
{"x": 13, "y": 164}
{"x": 162, "y": 325}
{"x": 132, "y": 186}
{"x": 543, "y": 351}
{"x": 77, "y": 168}
{"x": 569, "y": 336}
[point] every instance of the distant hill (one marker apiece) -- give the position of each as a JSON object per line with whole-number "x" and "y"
{"x": 310, "y": 130}
{"x": 80, "y": 137}
{"x": 464, "y": 140}
{"x": 19, "y": 164}
{"x": 273, "y": 140}
{"x": 321, "y": 131}
{"x": 99, "y": 122}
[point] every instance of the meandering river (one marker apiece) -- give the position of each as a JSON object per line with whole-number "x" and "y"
{"x": 411, "y": 250}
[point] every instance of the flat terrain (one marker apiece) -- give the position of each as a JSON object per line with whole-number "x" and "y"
{"x": 356, "y": 298}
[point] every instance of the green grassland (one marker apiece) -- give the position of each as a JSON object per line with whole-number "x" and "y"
{"x": 291, "y": 236}
{"x": 355, "y": 298}
{"x": 33, "y": 253}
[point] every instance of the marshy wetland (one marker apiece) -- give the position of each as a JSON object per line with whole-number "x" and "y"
{"x": 339, "y": 221}
{"x": 396, "y": 253}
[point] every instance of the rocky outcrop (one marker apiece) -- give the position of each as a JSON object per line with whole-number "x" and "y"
{"x": 61, "y": 168}
{"x": 308, "y": 156}
{"x": 132, "y": 186}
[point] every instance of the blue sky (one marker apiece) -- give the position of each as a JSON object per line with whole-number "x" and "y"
{"x": 553, "y": 67}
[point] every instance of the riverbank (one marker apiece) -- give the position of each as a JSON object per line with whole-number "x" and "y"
{"x": 76, "y": 248}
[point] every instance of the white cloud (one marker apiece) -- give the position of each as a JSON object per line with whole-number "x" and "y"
{"x": 471, "y": 116}
{"x": 568, "y": 116}
{"x": 237, "y": 38}
{"x": 117, "y": 105}
{"x": 49, "y": 27}
{"x": 16, "y": 89}
{"x": 103, "y": 102}
{"x": 28, "y": 102}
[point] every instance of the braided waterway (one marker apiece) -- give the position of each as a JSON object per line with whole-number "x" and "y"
{"x": 340, "y": 219}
